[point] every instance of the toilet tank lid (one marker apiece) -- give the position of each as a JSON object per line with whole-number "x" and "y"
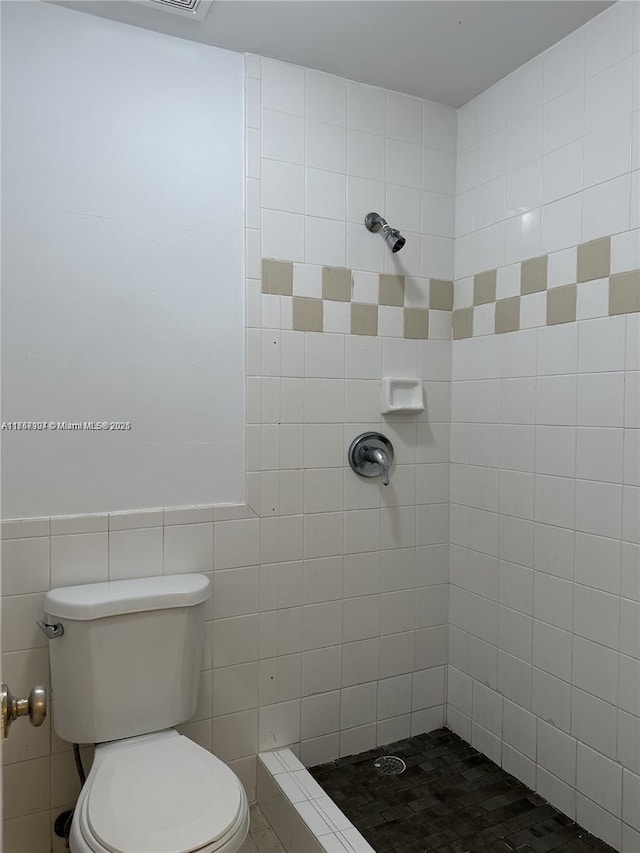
{"x": 97, "y": 600}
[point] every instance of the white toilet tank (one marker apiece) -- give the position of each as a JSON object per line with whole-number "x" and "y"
{"x": 129, "y": 660}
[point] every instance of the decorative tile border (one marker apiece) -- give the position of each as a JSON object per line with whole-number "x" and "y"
{"x": 594, "y": 291}
{"x": 362, "y": 317}
{"x": 300, "y": 812}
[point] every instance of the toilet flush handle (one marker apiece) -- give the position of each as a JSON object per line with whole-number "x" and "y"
{"x": 50, "y": 631}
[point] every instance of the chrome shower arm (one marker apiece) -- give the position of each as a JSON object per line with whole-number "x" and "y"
{"x": 393, "y": 237}
{"x": 374, "y": 222}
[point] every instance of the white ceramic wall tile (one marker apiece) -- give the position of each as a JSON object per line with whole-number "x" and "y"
{"x": 189, "y": 548}
{"x": 326, "y": 97}
{"x": 366, "y": 108}
{"x": 558, "y": 793}
{"x": 600, "y": 682}
{"x": 282, "y": 137}
{"x": 236, "y": 592}
{"x": 282, "y": 186}
{"x": 137, "y": 553}
{"x": 439, "y": 126}
{"x": 606, "y": 208}
{"x": 283, "y": 235}
{"x": 236, "y": 543}
{"x": 557, "y": 753}
{"x": 25, "y": 565}
{"x": 564, "y": 119}
{"x": 79, "y": 558}
{"x": 608, "y": 95}
{"x": 326, "y": 194}
{"x": 594, "y": 722}
{"x": 600, "y": 779}
{"x": 598, "y": 821}
{"x": 562, "y": 223}
{"x": 404, "y": 118}
{"x": 365, "y": 155}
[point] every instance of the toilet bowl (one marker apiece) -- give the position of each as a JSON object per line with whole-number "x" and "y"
{"x": 159, "y": 793}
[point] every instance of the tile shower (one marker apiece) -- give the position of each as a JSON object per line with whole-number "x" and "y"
{"x": 494, "y": 586}
{"x": 449, "y": 797}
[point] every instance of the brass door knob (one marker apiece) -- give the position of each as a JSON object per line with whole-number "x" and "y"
{"x": 34, "y": 707}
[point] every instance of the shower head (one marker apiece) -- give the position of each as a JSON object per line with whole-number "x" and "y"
{"x": 394, "y": 238}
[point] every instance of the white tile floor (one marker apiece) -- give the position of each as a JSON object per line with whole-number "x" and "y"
{"x": 261, "y": 838}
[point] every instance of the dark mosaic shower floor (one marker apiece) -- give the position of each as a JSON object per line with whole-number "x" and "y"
{"x": 450, "y": 799}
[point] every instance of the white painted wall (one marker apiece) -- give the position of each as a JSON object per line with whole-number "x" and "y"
{"x": 122, "y": 268}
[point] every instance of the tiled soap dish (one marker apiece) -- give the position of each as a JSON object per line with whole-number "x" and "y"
{"x": 401, "y": 395}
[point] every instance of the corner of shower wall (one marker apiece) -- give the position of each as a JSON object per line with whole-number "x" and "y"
{"x": 544, "y": 597}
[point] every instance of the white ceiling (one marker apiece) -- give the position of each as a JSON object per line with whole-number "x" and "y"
{"x": 444, "y": 50}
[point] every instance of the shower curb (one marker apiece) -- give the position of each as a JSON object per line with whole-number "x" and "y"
{"x": 301, "y": 814}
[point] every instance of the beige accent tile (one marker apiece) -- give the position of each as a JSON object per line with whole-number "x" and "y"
{"x": 416, "y": 323}
{"x": 561, "y": 304}
{"x": 594, "y": 259}
{"x": 336, "y": 284}
{"x": 462, "y": 323}
{"x": 441, "y": 295}
{"x": 624, "y": 293}
{"x": 484, "y": 288}
{"x": 508, "y": 315}
{"x": 277, "y": 277}
{"x": 392, "y": 290}
{"x": 533, "y": 275}
{"x": 307, "y": 314}
{"x": 364, "y": 319}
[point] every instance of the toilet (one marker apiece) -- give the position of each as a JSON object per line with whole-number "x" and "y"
{"x": 125, "y": 663}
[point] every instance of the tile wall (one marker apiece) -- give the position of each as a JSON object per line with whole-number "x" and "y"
{"x": 544, "y": 669}
{"x": 362, "y": 568}
{"x": 328, "y": 626}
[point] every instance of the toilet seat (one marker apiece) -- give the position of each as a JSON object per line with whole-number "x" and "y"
{"x": 159, "y": 793}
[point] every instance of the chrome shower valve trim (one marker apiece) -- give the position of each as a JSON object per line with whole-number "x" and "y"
{"x": 371, "y": 455}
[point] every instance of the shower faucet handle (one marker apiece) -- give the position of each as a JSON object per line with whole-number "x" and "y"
{"x": 371, "y": 455}
{"x": 382, "y": 458}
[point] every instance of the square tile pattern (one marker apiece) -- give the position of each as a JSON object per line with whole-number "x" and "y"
{"x": 593, "y": 264}
{"x": 561, "y": 304}
{"x": 451, "y": 799}
{"x": 337, "y": 286}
